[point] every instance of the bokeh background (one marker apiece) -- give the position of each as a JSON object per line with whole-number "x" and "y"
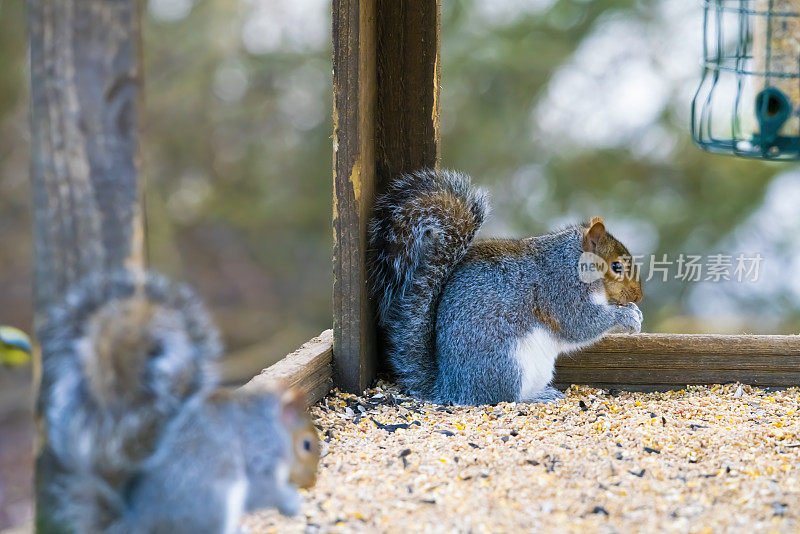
{"x": 565, "y": 109}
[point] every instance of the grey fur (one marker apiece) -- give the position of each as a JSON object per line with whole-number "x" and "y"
{"x": 453, "y": 309}
{"x": 210, "y": 452}
{"x": 548, "y": 395}
{"x": 137, "y": 451}
{"x": 415, "y": 241}
{"x": 93, "y": 446}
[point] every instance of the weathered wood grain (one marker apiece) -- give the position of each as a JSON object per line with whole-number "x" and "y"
{"x": 353, "y": 189}
{"x": 386, "y": 122}
{"x": 308, "y": 369}
{"x": 660, "y": 360}
{"x": 695, "y": 343}
{"x": 408, "y": 73}
{"x": 676, "y": 377}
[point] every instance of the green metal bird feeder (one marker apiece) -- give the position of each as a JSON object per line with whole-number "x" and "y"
{"x": 748, "y": 103}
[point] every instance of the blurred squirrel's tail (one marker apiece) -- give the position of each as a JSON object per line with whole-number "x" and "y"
{"x": 121, "y": 356}
{"x": 422, "y": 226}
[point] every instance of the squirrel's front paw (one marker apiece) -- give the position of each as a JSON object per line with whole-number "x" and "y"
{"x": 636, "y": 309}
{"x": 629, "y": 319}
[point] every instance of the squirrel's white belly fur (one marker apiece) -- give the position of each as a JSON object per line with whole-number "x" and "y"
{"x": 235, "y": 505}
{"x": 536, "y": 355}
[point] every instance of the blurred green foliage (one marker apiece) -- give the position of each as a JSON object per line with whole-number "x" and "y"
{"x": 237, "y": 152}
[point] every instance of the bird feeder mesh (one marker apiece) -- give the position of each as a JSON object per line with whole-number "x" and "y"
{"x": 749, "y": 99}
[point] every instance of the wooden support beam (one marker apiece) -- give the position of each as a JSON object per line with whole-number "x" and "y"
{"x": 407, "y": 106}
{"x": 308, "y": 369}
{"x": 386, "y": 116}
{"x": 353, "y": 189}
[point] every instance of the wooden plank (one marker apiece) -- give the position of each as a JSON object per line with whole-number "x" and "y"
{"x": 688, "y": 362}
{"x": 645, "y": 388}
{"x": 308, "y": 368}
{"x": 695, "y": 344}
{"x": 689, "y": 352}
{"x": 676, "y": 377}
{"x": 353, "y": 189}
{"x": 677, "y": 360}
{"x": 386, "y": 122}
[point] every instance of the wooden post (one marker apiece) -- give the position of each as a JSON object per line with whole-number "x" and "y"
{"x": 353, "y": 189}
{"x": 386, "y": 116}
{"x": 407, "y": 122}
{"x": 85, "y": 87}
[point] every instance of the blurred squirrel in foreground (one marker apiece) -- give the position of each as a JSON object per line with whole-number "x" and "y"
{"x": 475, "y": 322}
{"x": 138, "y": 438}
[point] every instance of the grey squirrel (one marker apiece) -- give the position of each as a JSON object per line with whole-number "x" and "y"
{"x": 482, "y": 321}
{"x": 226, "y": 454}
{"x": 139, "y": 438}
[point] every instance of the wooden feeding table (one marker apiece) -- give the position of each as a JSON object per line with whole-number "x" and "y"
{"x": 386, "y": 119}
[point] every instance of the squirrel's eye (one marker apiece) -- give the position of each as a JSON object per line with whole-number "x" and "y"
{"x": 304, "y": 446}
{"x": 617, "y": 267}
{"x": 156, "y": 349}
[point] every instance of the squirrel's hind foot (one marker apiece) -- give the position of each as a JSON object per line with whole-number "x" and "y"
{"x": 549, "y": 395}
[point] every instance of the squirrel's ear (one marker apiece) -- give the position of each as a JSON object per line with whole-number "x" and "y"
{"x": 593, "y": 235}
{"x": 293, "y": 405}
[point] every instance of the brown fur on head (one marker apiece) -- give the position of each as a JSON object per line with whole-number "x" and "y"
{"x": 305, "y": 443}
{"x": 620, "y": 276}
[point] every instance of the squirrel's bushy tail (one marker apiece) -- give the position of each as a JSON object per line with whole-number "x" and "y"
{"x": 421, "y": 228}
{"x": 121, "y": 356}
